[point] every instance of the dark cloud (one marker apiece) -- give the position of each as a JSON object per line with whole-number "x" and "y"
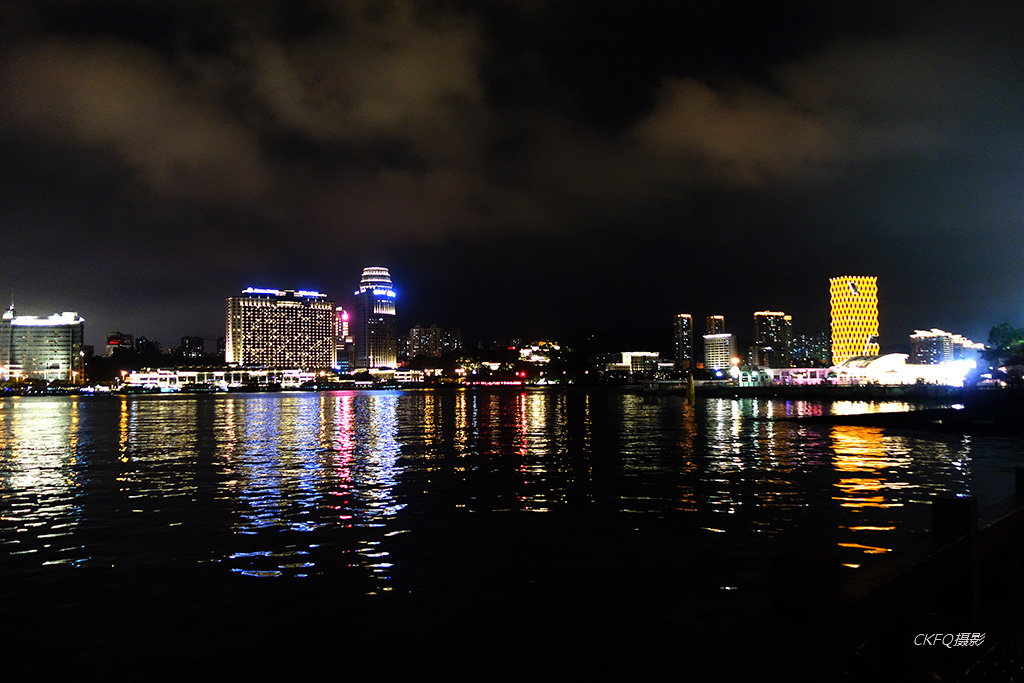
{"x": 215, "y": 145}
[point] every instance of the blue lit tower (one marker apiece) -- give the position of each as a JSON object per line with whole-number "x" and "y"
{"x": 375, "y": 337}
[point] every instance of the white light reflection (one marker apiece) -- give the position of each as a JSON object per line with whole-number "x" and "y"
{"x": 41, "y": 478}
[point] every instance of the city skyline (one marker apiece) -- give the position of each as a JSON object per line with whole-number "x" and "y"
{"x": 772, "y": 343}
{"x": 524, "y": 167}
{"x": 378, "y": 281}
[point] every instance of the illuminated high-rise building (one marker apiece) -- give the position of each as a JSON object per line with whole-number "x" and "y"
{"x": 715, "y": 324}
{"x": 376, "y": 341}
{"x": 930, "y": 347}
{"x": 119, "y": 343}
{"x": 425, "y": 341}
{"x": 854, "y": 317}
{"x": 192, "y": 347}
{"x": 451, "y": 340}
{"x": 719, "y": 350}
{"x": 773, "y": 339}
{"x": 42, "y": 348}
{"x": 344, "y": 344}
{"x": 933, "y": 347}
{"x": 283, "y": 329}
{"x": 683, "y": 338}
{"x": 812, "y": 349}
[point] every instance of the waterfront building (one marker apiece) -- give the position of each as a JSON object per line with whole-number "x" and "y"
{"x": 344, "y": 344}
{"x": 146, "y": 347}
{"x": 683, "y": 339}
{"x": 407, "y": 376}
{"x": 539, "y": 352}
{"x": 812, "y": 350}
{"x": 773, "y": 339}
{"x": 272, "y": 328}
{"x": 42, "y": 348}
{"x": 934, "y": 346}
{"x": 118, "y": 343}
{"x": 451, "y": 340}
{"x": 719, "y": 350}
{"x": 169, "y": 380}
{"x": 633, "y": 362}
{"x": 192, "y": 347}
{"x": 376, "y": 342}
{"x": 426, "y": 342}
{"x": 965, "y": 349}
{"x": 854, "y": 302}
{"x": 893, "y": 369}
{"x": 798, "y": 375}
{"x": 931, "y": 347}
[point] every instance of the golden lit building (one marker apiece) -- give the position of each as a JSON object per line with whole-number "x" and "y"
{"x": 854, "y": 317}
{"x": 273, "y": 328}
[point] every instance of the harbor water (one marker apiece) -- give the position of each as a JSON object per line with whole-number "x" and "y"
{"x": 472, "y": 499}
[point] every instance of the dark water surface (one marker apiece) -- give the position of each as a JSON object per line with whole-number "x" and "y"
{"x": 470, "y": 502}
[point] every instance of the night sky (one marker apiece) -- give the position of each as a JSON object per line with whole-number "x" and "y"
{"x": 523, "y": 168}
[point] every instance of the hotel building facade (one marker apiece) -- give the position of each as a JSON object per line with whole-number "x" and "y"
{"x": 719, "y": 350}
{"x": 42, "y": 348}
{"x": 273, "y": 328}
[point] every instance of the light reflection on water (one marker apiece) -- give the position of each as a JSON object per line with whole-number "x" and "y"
{"x": 39, "y": 479}
{"x": 296, "y": 484}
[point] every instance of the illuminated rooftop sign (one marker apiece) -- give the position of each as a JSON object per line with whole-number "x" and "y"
{"x": 65, "y": 318}
{"x": 302, "y": 293}
{"x": 258, "y": 290}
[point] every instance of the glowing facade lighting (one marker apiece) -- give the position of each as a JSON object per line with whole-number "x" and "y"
{"x": 263, "y": 290}
{"x": 273, "y": 328}
{"x": 854, "y": 317}
{"x": 44, "y": 348}
{"x": 715, "y": 324}
{"x": 719, "y": 350}
{"x": 375, "y": 335}
{"x": 937, "y": 346}
{"x": 893, "y": 368}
